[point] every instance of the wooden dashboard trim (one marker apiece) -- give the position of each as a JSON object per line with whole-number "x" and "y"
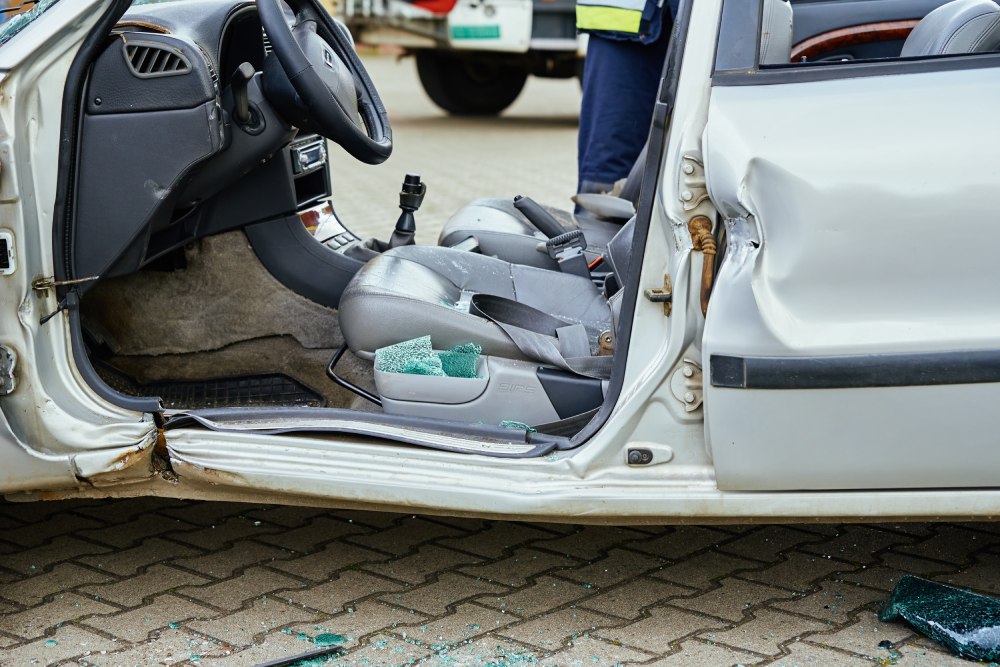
{"x": 842, "y": 38}
{"x": 142, "y": 24}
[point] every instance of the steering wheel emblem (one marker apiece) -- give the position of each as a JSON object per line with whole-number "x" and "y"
{"x": 328, "y": 58}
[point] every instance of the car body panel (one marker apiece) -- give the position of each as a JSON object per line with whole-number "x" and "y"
{"x": 51, "y": 415}
{"x": 56, "y": 411}
{"x": 723, "y": 141}
{"x": 23, "y": 469}
{"x": 354, "y": 475}
{"x": 881, "y": 246}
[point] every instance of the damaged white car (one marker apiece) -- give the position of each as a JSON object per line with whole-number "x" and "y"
{"x": 790, "y": 312}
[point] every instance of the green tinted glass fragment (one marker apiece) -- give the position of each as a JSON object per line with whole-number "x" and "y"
{"x": 965, "y": 622}
{"x": 459, "y": 364}
{"x": 329, "y": 639}
{"x": 393, "y": 358}
{"x": 424, "y": 366}
{"x": 417, "y": 357}
{"x": 510, "y": 423}
{"x": 467, "y": 348}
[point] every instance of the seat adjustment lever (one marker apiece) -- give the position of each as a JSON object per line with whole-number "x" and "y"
{"x": 543, "y": 221}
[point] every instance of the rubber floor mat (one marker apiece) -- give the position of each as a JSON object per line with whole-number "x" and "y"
{"x": 273, "y": 389}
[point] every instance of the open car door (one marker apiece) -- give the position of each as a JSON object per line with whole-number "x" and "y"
{"x": 853, "y": 337}
{"x": 53, "y": 434}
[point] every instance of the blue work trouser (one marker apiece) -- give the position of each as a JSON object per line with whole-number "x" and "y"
{"x": 620, "y": 80}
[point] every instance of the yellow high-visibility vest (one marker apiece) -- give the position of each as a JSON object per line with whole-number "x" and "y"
{"x": 624, "y": 16}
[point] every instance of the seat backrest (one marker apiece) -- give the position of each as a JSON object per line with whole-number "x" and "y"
{"x": 619, "y": 251}
{"x": 961, "y": 26}
{"x": 776, "y": 33}
{"x": 633, "y": 182}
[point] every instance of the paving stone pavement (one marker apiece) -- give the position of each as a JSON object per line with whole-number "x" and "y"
{"x": 163, "y": 582}
{"x": 167, "y": 582}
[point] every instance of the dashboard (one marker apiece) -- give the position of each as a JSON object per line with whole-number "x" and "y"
{"x": 164, "y": 155}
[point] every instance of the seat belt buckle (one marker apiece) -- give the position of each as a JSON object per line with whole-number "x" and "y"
{"x": 567, "y": 250}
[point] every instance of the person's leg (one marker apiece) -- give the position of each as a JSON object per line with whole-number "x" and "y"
{"x": 620, "y": 81}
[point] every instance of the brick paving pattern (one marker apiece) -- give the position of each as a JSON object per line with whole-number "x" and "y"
{"x": 166, "y": 582}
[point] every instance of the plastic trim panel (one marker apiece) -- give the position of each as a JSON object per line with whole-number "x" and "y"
{"x": 856, "y": 371}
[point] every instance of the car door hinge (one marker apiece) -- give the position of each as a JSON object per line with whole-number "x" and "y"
{"x": 45, "y": 284}
{"x": 693, "y": 189}
{"x": 8, "y": 361}
{"x": 664, "y": 295}
{"x": 686, "y": 385}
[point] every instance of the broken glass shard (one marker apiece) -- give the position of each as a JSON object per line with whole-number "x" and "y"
{"x": 963, "y": 621}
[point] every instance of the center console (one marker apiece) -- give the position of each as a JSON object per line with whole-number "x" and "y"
{"x": 311, "y": 252}
{"x": 326, "y": 227}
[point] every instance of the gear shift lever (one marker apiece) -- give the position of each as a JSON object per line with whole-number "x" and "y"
{"x": 410, "y": 198}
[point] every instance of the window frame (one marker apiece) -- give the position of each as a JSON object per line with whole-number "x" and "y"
{"x": 737, "y": 59}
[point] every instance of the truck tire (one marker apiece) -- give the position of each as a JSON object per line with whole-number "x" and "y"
{"x": 468, "y": 86}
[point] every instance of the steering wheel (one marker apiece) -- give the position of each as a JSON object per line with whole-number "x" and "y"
{"x": 321, "y": 85}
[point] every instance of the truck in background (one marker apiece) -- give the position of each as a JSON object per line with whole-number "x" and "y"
{"x": 473, "y": 56}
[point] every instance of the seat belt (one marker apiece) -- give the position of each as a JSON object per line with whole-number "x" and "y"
{"x": 567, "y": 250}
{"x": 543, "y": 337}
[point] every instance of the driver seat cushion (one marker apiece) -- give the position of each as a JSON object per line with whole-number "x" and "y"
{"x": 504, "y": 232}
{"x": 961, "y": 26}
{"x": 414, "y": 291}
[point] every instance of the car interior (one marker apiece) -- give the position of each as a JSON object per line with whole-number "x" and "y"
{"x": 205, "y": 266}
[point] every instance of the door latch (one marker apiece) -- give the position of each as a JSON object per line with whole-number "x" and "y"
{"x": 47, "y": 283}
{"x": 8, "y": 259}
{"x": 664, "y": 295}
{"x": 8, "y": 360}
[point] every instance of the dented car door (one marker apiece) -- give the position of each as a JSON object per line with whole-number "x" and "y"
{"x": 852, "y": 340}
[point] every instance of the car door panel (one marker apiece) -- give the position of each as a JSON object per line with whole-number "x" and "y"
{"x": 861, "y": 226}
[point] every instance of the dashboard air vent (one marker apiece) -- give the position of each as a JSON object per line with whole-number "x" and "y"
{"x": 147, "y": 60}
{"x": 267, "y": 44}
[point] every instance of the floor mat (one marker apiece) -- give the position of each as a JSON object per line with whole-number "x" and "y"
{"x": 275, "y": 355}
{"x": 271, "y": 389}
